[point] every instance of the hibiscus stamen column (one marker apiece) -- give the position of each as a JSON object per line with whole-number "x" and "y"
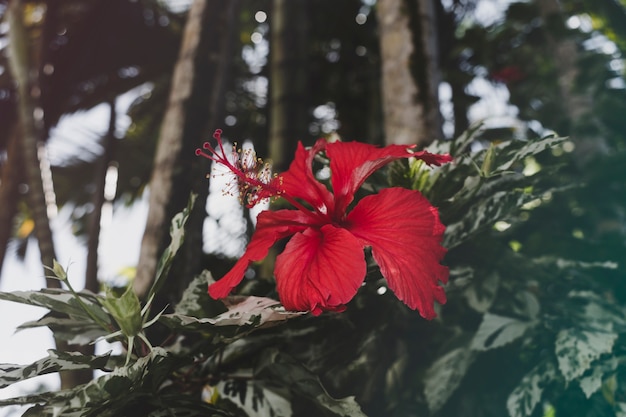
{"x": 254, "y": 179}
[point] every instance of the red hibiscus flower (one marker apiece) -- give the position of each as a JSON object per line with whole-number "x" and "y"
{"x": 508, "y": 75}
{"x": 323, "y": 263}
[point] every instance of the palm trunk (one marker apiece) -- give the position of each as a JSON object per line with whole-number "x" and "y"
{"x": 289, "y": 88}
{"x": 213, "y": 66}
{"x": 288, "y": 80}
{"x": 30, "y": 141}
{"x": 427, "y": 25}
{"x": 10, "y": 178}
{"x": 93, "y": 239}
{"x": 31, "y": 129}
{"x": 575, "y": 103}
{"x": 566, "y": 56}
{"x": 410, "y": 71}
{"x": 201, "y": 67}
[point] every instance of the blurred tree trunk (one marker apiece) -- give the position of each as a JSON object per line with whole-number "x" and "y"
{"x": 95, "y": 218}
{"x": 201, "y": 68}
{"x": 566, "y": 56}
{"x": 289, "y": 87}
{"x": 575, "y": 103}
{"x": 214, "y": 65}
{"x": 10, "y": 177}
{"x": 289, "y": 90}
{"x": 92, "y": 282}
{"x": 31, "y": 129}
{"x": 410, "y": 71}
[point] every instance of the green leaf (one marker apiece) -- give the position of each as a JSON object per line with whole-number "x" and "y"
{"x": 254, "y": 397}
{"x": 59, "y": 271}
{"x": 278, "y": 367}
{"x": 75, "y": 332}
{"x": 177, "y": 233}
{"x": 459, "y": 145}
{"x": 480, "y": 294}
{"x": 126, "y": 310}
{"x": 525, "y": 304}
{"x": 61, "y": 301}
{"x": 488, "y": 161}
{"x": 445, "y": 375}
{"x": 194, "y": 299}
{"x": 109, "y": 394}
{"x": 591, "y": 383}
{"x": 484, "y": 214}
{"x": 510, "y": 155}
{"x": 562, "y": 263}
{"x": 577, "y": 349}
{"x": 242, "y": 311}
{"x": 597, "y": 312}
{"x": 525, "y": 397}
{"x": 496, "y": 331}
{"x": 56, "y": 361}
{"x": 182, "y": 406}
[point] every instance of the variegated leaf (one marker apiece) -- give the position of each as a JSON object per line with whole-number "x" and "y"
{"x": 177, "y": 234}
{"x": 445, "y": 375}
{"x": 511, "y": 155}
{"x": 56, "y": 361}
{"x": 60, "y": 301}
{"x": 496, "y": 331}
{"x": 591, "y": 383}
{"x": 117, "y": 389}
{"x": 75, "y": 332}
{"x": 251, "y": 396}
{"x": 481, "y": 294}
{"x": 194, "y": 298}
{"x": 484, "y": 214}
{"x": 281, "y": 368}
{"x": 525, "y": 397}
{"x": 243, "y": 311}
{"x": 577, "y": 349}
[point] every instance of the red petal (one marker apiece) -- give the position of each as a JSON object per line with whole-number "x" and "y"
{"x": 433, "y": 158}
{"x": 320, "y": 269}
{"x": 271, "y": 226}
{"x": 352, "y": 162}
{"x": 405, "y": 234}
{"x": 299, "y": 182}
